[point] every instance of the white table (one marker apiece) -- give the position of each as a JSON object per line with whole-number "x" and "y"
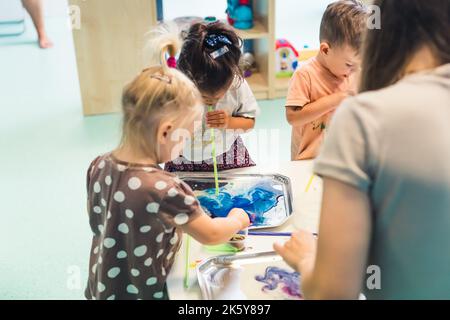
{"x": 306, "y": 216}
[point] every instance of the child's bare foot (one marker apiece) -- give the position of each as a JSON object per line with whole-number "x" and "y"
{"x": 45, "y": 42}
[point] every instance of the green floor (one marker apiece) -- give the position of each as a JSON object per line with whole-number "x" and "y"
{"x": 46, "y": 146}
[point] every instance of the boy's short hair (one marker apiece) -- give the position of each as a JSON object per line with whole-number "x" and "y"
{"x": 344, "y": 23}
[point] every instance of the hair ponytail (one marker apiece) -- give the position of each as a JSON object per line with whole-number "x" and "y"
{"x": 210, "y": 68}
{"x": 164, "y": 41}
{"x": 157, "y": 93}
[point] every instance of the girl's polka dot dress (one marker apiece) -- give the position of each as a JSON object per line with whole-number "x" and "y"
{"x": 134, "y": 212}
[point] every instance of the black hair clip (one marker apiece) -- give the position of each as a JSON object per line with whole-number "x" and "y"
{"x": 213, "y": 41}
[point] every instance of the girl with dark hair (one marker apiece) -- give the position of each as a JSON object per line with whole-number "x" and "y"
{"x": 210, "y": 58}
{"x": 385, "y": 221}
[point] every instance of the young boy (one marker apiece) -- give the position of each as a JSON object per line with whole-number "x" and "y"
{"x": 321, "y": 83}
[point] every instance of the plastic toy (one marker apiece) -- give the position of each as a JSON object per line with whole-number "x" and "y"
{"x": 248, "y": 64}
{"x": 240, "y": 14}
{"x": 286, "y": 59}
{"x": 210, "y": 19}
{"x": 184, "y": 23}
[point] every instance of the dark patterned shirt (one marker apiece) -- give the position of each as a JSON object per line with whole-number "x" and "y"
{"x": 134, "y": 214}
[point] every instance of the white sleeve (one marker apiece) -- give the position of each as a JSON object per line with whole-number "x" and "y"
{"x": 247, "y": 105}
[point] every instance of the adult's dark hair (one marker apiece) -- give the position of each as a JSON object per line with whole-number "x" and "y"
{"x": 406, "y": 26}
{"x": 211, "y": 73}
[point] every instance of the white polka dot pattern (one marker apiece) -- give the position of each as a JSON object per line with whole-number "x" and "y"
{"x": 136, "y": 239}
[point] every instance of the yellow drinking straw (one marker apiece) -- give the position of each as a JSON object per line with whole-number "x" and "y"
{"x": 213, "y": 145}
{"x": 186, "y": 269}
{"x": 310, "y": 182}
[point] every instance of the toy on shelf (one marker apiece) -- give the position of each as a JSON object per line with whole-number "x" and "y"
{"x": 184, "y": 23}
{"x": 248, "y": 64}
{"x": 240, "y": 14}
{"x": 286, "y": 59}
{"x": 210, "y": 19}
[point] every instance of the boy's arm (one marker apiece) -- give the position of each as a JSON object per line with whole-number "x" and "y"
{"x": 299, "y": 116}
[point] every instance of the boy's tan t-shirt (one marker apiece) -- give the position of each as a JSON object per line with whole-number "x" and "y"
{"x": 310, "y": 82}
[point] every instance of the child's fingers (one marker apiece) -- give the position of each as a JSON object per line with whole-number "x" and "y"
{"x": 216, "y": 126}
{"x": 216, "y": 122}
{"x": 215, "y": 116}
{"x": 213, "y": 113}
{"x": 216, "y": 119}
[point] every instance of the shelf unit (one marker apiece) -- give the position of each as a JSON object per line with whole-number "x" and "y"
{"x": 109, "y": 49}
{"x": 263, "y": 37}
{"x": 259, "y": 31}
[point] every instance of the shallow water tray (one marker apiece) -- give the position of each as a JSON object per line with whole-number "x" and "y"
{"x": 267, "y": 197}
{"x": 260, "y": 276}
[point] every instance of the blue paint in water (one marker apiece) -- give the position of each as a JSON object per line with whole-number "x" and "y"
{"x": 255, "y": 200}
{"x": 290, "y": 281}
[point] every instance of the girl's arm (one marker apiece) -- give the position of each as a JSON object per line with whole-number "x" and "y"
{"x": 237, "y": 123}
{"x": 300, "y": 116}
{"x": 334, "y": 266}
{"x": 210, "y": 231}
{"x": 220, "y": 119}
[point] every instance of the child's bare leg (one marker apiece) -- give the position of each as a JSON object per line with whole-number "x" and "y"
{"x": 34, "y": 8}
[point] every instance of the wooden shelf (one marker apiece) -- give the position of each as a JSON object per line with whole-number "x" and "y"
{"x": 282, "y": 83}
{"x": 281, "y": 87}
{"x": 307, "y": 54}
{"x": 109, "y": 55}
{"x": 258, "y": 84}
{"x": 104, "y": 67}
{"x": 259, "y": 31}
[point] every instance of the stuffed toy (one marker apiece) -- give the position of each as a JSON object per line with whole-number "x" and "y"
{"x": 240, "y": 14}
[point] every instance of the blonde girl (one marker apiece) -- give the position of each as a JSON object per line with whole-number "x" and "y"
{"x": 138, "y": 212}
